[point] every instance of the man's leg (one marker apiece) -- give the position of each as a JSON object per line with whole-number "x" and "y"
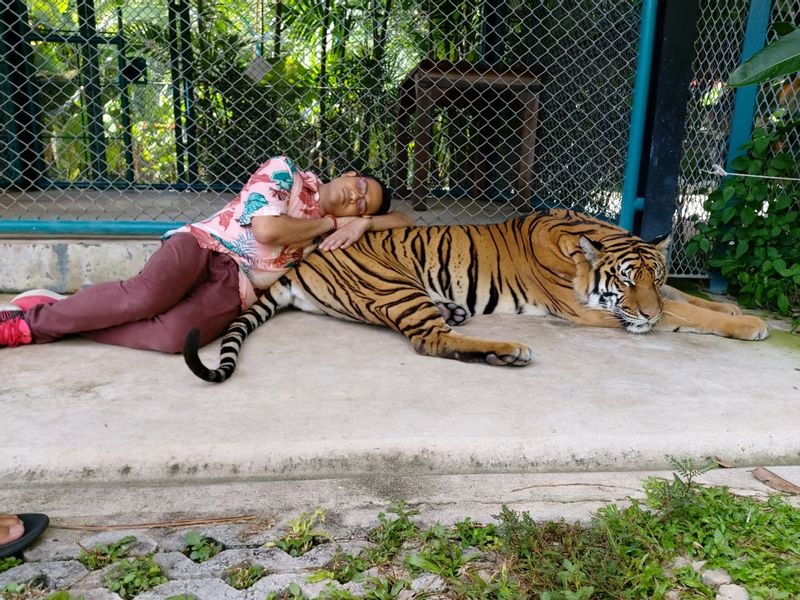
{"x": 177, "y": 267}
{"x": 210, "y": 307}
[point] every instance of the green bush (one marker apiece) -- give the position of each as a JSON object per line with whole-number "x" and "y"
{"x": 753, "y": 226}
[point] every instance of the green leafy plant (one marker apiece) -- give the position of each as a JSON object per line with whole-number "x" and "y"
{"x": 103, "y": 555}
{"x": 303, "y": 536}
{"x": 391, "y": 534}
{"x": 342, "y": 567}
{"x": 388, "y": 537}
{"x": 441, "y": 553}
{"x": 244, "y": 575}
{"x": 132, "y": 576}
{"x": 385, "y": 589}
{"x": 333, "y": 593}
{"x": 13, "y": 590}
{"x": 200, "y": 548}
{"x": 183, "y": 597}
{"x": 293, "y": 592}
{"x": 33, "y": 591}
{"x": 779, "y": 58}
{"x": 753, "y": 225}
{"x": 476, "y": 535}
{"x": 9, "y": 563}
{"x": 500, "y": 586}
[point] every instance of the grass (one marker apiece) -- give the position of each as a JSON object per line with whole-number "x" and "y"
{"x": 624, "y": 553}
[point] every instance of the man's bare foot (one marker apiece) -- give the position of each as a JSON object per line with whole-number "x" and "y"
{"x": 11, "y": 528}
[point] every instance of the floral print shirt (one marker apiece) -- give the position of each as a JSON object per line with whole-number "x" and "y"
{"x": 278, "y": 187}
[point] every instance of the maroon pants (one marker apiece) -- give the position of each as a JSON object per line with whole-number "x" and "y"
{"x": 181, "y": 286}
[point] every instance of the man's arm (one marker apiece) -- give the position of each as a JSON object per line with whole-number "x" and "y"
{"x": 351, "y": 229}
{"x": 390, "y": 221}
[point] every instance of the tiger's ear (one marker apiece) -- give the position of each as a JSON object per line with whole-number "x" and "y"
{"x": 662, "y": 243}
{"x": 591, "y": 249}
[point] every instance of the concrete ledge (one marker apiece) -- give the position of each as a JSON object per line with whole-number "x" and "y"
{"x": 319, "y": 398}
{"x": 355, "y": 502}
{"x": 68, "y": 265}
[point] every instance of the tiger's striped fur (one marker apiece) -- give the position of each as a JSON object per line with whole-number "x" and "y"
{"x": 422, "y": 281}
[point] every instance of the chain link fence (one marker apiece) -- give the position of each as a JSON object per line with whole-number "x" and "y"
{"x": 159, "y": 110}
{"x": 721, "y": 31}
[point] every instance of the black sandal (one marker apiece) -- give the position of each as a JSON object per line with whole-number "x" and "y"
{"x": 35, "y": 524}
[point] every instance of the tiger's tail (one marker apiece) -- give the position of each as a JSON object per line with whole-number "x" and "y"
{"x": 255, "y": 316}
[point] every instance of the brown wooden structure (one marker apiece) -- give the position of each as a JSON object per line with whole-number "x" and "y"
{"x": 467, "y": 86}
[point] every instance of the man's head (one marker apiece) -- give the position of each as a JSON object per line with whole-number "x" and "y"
{"x": 354, "y": 194}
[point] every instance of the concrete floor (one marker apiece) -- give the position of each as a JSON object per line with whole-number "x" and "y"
{"x": 318, "y": 398}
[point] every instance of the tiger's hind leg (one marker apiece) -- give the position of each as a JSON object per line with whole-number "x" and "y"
{"x": 452, "y": 313}
{"x": 418, "y": 318}
{"x": 721, "y": 307}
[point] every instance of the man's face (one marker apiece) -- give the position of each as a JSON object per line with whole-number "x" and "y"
{"x": 353, "y": 195}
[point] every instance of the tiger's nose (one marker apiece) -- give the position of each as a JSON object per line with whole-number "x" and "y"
{"x": 645, "y": 314}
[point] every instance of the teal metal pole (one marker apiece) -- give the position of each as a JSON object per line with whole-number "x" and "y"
{"x": 744, "y": 107}
{"x": 32, "y": 226}
{"x": 644, "y": 63}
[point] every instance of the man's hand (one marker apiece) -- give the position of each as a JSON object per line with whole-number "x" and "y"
{"x": 349, "y": 231}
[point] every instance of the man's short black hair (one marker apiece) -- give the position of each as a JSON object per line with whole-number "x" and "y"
{"x": 386, "y": 193}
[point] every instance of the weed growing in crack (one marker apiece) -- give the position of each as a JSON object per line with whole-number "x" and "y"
{"x": 385, "y": 589}
{"x": 391, "y": 534}
{"x": 293, "y": 592}
{"x": 199, "y": 548}
{"x": 103, "y": 555}
{"x": 244, "y": 575}
{"x": 132, "y": 576}
{"x": 19, "y": 591}
{"x": 303, "y": 536}
{"x": 441, "y": 553}
{"x": 388, "y": 537}
{"x": 9, "y": 563}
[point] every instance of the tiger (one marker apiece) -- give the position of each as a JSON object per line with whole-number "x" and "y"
{"x": 424, "y": 281}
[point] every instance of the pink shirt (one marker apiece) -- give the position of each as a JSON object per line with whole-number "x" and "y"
{"x": 278, "y": 187}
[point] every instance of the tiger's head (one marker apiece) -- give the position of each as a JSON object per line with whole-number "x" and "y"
{"x": 624, "y": 275}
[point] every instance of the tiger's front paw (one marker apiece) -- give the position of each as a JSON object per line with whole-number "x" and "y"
{"x": 510, "y": 355}
{"x": 747, "y": 327}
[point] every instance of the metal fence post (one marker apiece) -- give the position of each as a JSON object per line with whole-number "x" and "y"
{"x": 20, "y": 111}
{"x": 672, "y": 73}
{"x": 92, "y": 90}
{"x": 644, "y": 63}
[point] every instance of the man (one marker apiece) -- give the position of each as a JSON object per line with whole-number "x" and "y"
{"x": 205, "y": 273}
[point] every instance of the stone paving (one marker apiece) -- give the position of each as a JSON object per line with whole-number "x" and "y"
{"x": 53, "y": 561}
{"x": 53, "y": 564}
